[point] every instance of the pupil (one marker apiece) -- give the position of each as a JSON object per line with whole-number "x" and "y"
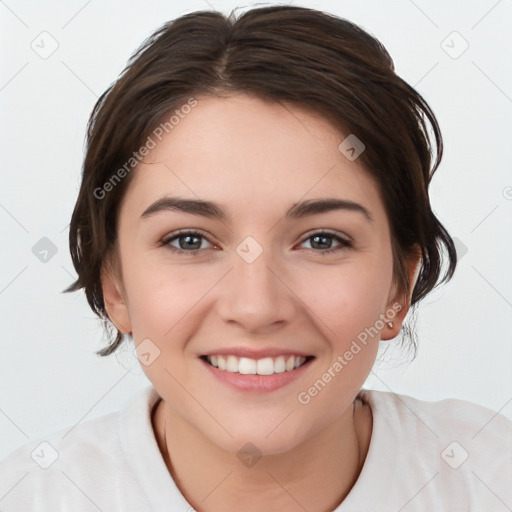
{"x": 188, "y": 238}
{"x": 320, "y": 237}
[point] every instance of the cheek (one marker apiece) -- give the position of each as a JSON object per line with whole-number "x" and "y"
{"x": 156, "y": 306}
{"x": 348, "y": 306}
{"x": 165, "y": 298}
{"x": 350, "y": 298}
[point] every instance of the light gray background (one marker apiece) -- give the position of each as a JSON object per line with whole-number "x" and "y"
{"x": 50, "y": 377}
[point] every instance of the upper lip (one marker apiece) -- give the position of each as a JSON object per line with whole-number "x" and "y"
{"x": 253, "y": 353}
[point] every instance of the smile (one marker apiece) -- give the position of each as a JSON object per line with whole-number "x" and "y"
{"x": 248, "y": 366}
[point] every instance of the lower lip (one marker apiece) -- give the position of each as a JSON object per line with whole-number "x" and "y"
{"x": 257, "y": 383}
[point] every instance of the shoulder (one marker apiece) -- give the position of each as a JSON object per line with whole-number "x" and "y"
{"x": 444, "y": 416}
{"x": 459, "y": 450}
{"x": 93, "y": 437}
{"x": 91, "y": 451}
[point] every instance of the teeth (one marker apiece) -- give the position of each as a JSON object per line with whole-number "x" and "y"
{"x": 279, "y": 365}
{"x": 265, "y": 366}
{"x": 232, "y": 364}
{"x": 247, "y": 366}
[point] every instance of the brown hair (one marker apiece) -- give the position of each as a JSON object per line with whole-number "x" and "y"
{"x": 307, "y": 57}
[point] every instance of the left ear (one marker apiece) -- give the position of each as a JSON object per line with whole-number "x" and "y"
{"x": 400, "y": 302}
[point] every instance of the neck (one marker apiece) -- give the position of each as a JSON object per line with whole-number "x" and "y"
{"x": 212, "y": 479}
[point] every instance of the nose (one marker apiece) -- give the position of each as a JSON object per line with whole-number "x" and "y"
{"x": 254, "y": 294}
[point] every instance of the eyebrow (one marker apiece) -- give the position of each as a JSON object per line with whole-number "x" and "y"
{"x": 215, "y": 211}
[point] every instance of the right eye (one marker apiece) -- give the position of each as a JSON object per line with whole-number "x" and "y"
{"x": 190, "y": 241}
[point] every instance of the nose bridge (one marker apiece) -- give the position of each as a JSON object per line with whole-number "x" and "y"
{"x": 253, "y": 268}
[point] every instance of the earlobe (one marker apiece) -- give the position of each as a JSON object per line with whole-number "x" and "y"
{"x": 115, "y": 302}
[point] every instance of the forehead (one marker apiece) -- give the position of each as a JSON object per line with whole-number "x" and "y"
{"x": 252, "y": 155}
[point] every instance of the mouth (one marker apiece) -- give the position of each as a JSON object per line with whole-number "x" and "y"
{"x": 263, "y": 366}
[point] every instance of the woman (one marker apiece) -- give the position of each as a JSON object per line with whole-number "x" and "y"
{"x": 254, "y": 213}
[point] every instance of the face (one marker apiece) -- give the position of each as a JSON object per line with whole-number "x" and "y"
{"x": 257, "y": 283}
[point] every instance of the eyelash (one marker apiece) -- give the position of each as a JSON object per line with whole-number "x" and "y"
{"x": 344, "y": 243}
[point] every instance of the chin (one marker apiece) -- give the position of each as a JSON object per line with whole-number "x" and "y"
{"x": 258, "y": 445}
{"x": 264, "y": 438}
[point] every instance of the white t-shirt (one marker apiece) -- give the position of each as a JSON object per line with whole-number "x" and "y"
{"x": 445, "y": 456}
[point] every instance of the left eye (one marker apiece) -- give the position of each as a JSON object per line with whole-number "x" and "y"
{"x": 319, "y": 238}
{"x": 190, "y": 242}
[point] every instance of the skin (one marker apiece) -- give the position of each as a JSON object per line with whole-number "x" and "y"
{"x": 256, "y": 159}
